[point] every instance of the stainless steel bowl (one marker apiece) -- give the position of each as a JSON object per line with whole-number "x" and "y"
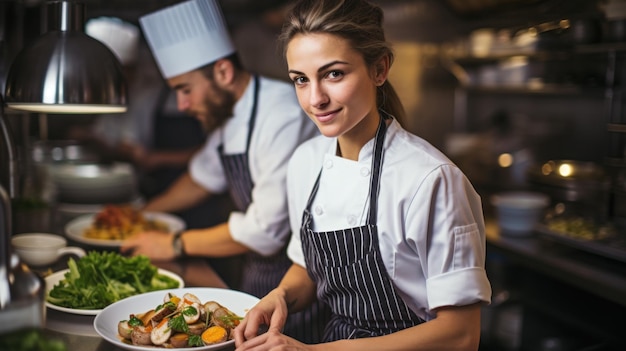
{"x": 92, "y": 183}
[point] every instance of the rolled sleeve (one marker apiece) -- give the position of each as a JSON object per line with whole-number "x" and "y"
{"x": 458, "y": 288}
{"x": 247, "y": 231}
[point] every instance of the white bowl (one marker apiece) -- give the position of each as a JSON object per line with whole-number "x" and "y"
{"x": 519, "y": 211}
{"x": 40, "y": 249}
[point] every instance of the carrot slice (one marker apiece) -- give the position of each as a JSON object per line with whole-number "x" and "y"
{"x": 214, "y": 334}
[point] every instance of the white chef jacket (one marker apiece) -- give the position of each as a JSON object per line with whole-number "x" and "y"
{"x": 279, "y": 128}
{"x": 430, "y": 221}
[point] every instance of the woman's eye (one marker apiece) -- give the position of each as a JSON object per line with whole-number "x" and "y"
{"x": 299, "y": 80}
{"x": 334, "y": 74}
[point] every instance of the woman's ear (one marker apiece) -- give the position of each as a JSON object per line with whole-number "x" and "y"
{"x": 381, "y": 70}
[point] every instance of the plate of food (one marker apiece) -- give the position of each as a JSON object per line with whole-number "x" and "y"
{"x": 189, "y": 319}
{"x": 99, "y": 279}
{"x": 113, "y": 224}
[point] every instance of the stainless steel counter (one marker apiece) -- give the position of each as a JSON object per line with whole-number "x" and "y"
{"x": 595, "y": 274}
{"x": 563, "y": 292}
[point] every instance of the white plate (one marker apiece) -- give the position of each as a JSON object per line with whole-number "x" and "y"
{"x": 75, "y": 228}
{"x": 106, "y": 321}
{"x": 55, "y": 277}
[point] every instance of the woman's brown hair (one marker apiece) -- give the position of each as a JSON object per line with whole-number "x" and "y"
{"x": 358, "y": 21}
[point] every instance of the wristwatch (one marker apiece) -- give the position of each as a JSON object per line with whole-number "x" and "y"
{"x": 177, "y": 244}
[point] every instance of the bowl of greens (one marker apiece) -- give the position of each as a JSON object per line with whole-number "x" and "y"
{"x": 99, "y": 279}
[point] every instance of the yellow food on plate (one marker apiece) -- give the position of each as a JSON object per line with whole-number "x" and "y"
{"x": 121, "y": 222}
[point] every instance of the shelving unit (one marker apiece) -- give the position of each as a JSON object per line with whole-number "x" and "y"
{"x": 604, "y": 62}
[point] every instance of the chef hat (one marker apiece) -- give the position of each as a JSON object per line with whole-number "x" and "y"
{"x": 187, "y": 36}
{"x": 121, "y": 37}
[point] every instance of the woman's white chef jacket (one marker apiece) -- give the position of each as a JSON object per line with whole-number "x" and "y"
{"x": 279, "y": 128}
{"x": 430, "y": 220}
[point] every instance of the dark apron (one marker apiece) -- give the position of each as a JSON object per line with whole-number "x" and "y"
{"x": 261, "y": 274}
{"x": 350, "y": 274}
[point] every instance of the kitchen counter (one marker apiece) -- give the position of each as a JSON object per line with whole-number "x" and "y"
{"x": 597, "y": 275}
{"x": 563, "y": 291}
{"x": 77, "y": 331}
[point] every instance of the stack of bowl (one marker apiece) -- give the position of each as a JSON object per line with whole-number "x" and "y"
{"x": 519, "y": 211}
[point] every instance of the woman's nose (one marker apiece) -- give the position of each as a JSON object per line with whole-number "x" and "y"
{"x": 318, "y": 97}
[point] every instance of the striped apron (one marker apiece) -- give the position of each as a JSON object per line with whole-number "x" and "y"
{"x": 350, "y": 274}
{"x": 261, "y": 274}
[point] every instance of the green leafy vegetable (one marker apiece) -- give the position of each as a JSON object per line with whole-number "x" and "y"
{"x": 190, "y": 311}
{"x": 100, "y": 278}
{"x": 178, "y": 324}
{"x": 29, "y": 340}
{"x": 195, "y": 340}
{"x": 134, "y": 322}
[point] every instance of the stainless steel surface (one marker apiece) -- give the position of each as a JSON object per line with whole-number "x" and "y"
{"x": 7, "y": 137}
{"x": 21, "y": 290}
{"x": 65, "y": 70}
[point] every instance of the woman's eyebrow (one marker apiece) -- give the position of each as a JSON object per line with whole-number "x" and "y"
{"x": 322, "y": 68}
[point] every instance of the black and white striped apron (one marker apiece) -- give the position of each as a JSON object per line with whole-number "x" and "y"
{"x": 350, "y": 274}
{"x": 260, "y": 273}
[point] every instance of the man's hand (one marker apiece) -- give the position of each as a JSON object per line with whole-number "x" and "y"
{"x": 156, "y": 245}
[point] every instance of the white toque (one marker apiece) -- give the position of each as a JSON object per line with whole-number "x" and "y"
{"x": 121, "y": 37}
{"x": 187, "y": 36}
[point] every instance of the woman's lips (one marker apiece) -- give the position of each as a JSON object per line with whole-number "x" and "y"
{"x": 326, "y": 116}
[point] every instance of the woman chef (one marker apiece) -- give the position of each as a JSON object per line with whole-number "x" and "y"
{"x": 387, "y": 231}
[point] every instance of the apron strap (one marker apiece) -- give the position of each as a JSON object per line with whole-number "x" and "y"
{"x": 377, "y": 161}
{"x": 253, "y": 112}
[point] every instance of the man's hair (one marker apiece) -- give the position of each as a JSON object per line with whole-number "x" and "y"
{"x": 207, "y": 70}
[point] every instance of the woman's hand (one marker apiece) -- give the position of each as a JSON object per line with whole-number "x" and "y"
{"x": 154, "y": 244}
{"x": 270, "y": 312}
{"x": 273, "y": 340}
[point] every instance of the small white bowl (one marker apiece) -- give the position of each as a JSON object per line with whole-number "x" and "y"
{"x": 41, "y": 249}
{"x": 519, "y": 211}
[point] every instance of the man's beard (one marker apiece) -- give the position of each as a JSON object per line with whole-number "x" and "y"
{"x": 218, "y": 114}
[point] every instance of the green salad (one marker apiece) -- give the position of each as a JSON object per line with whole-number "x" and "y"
{"x": 100, "y": 278}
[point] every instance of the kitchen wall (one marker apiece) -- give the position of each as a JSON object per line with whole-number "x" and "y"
{"x": 422, "y": 31}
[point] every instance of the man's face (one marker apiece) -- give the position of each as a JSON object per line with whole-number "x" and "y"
{"x": 202, "y": 98}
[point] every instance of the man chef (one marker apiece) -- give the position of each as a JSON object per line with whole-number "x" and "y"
{"x": 257, "y": 123}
